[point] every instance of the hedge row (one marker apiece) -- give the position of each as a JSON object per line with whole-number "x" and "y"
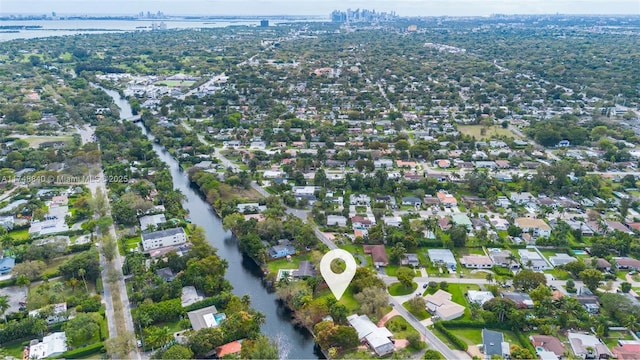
{"x": 84, "y": 351}
{"x": 476, "y": 325}
{"x": 220, "y": 301}
{"x": 459, "y": 344}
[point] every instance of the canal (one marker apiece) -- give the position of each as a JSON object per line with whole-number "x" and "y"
{"x": 244, "y": 275}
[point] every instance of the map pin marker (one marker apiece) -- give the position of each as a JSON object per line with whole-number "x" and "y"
{"x": 338, "y": 283}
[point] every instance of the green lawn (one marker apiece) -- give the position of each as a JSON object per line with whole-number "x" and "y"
{"x": 347, "y": 298}
{"x": 15, "y": 349}
{"x": 400, "y": 327}
{"x": 132, "y": 243}
{"x": 614, "y": 336}
{"x": 490, "y": 131}
{"x": 283, "y": 263}
{"x": 420, "y": 315}
{"x": 457, "y": 292}
{"x": 397, "y": 289}
{"x": 176, "y": 83}
{"x": 22, "y": 234}
{"x": 559, "y": 274}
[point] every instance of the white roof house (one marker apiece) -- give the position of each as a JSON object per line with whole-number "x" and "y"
{"x": 561, "y": 259}
{"x": 51, "y": 345}
{"x": 378, "y": 338}
{"x": 336, "y": 220}
{"x": 479, "y": 297}
{"x": 443, "y": 256}
{"x": 537, "y": 262}
{"x": 151, "y": 220}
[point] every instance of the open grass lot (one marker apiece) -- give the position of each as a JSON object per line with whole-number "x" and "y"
{"x": 559, "y": 274}
{"x": 420, "y": 315}
{"x": 250, "y": 195}
{"x": 347, "y": 298}
{"x": 400, "y": 327}
{"x": 132, "y": 243}
{"x": 474, "y": 336}
{"x": 35, "y": 141}
{"x": 457, "y": 295}
{"x": 20, "y": 235}
{"x": 15, "y": 348}
{"x": 283, "y": 263}
{"x": 176, "y": 83}
{"x": 475, "y": 130}
{"x": 614, "y": 336}
{"x": 397, "y": 289}
{"x": 40, "y": 294}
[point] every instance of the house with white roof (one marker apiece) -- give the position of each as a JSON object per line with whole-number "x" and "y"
{"x": 377, "y": 338}
{"x": 561, "y": 259}
{"x": 50, "y": 346}
{"x": 585, "y": 345}
{"x": 440, "y": 304}
{"x": 442, "y": 257}
{"x": 479, "y": 297}
{"x": 532, "y": 260}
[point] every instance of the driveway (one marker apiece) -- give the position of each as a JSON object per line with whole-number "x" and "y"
{"x": 16, "y": 295}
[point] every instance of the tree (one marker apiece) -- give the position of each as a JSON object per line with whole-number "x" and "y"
{"x": 539, "y": 293}
{"x": 575, "y": 267}
{"x": 156, "y": 336}
{"x": 459, "y": 235}
{"x": 30, "y": 269}
{"x": 4, "y": 305}
{"x": 109, "y": 247}
{"x": 433, "y": 355}
{"x": 416, "y": 304}
{"x": 528, "y": 279}
{"x": 414, "y": 341}
{"x": 372, "y": 301}
{"x": 500, "y": 307}
{"x": 571, "y": 286}
{"x": 260, "y": 348}
{"x": 82, "y": 327}
{"x": 396, "y": 253}
{"x": 405, "y": 276}
{"x": 521, "y": 353}
{"x": 120, "y": 346}
{"x": 177, "y": 351}
{"x": 625, "y": 287}
{"x": 591, "y": 278}
{"x": 203, "y": 340}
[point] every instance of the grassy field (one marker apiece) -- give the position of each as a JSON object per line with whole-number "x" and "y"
{"x": 420, "y": 315}
{"x": 397, "y": 289}
{"x": 491, "y": 131}
{"x": 22, "y": 234}
{"x": 474, "y": 336}
{"x": 614, "y": 336}
{"x": 400, "y": 327}
{"x": 35, "y": 141}
{"x": 176, "y": 83}
{"x": 283, "y": 263}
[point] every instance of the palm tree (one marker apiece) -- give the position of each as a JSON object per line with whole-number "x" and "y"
{"x": 489, "y": 277}
{"x": 157, "y": 337}
{"x": 82, "y": 273}
{"x": 632, "y": 323}
{"x": 4, "y": 305}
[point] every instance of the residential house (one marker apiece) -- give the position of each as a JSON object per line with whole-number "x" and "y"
{"x": 6, "y": 265}
{"x": 166, "y": 274}
{"x": 627, "y": 351}
{"x": 627, "y": 263}
{"x": 440, "y": 304}
{"x": 538, "y": 227}
{"x": 561, "y": 259}
{"x": 359, "y": 222}
{"x": 591, "y": 303}
{"x": 442, "y": 257}
{"x": 500, "y": 224}
{"x": 548, "y": 343}
{"x": 189, "y": 296}
{"x": 602, "y": 264}
{"x": 410, "y": 259}
{"x": 378, "y": 253}
{"x": 59, "y": 313}
{"x": 588, "y": 346}
{"x": 305, "y": 270}
{"x": 476, "y": 262}
{"x": 163, "y": 238}
{"x": 463, "y": 220}
{"x": 493, "y": 344}
{"x": 280, "y": 251}
{"x": 377, "y": 338}
{"x": 227, "y": 350}
{"x": 7, "y": 222}
{"x": 521, "y": 299}
{"x": 247, "y": 208}
{"x": 503, "y": 258}
{"x": 503, "y": 201}
{"x": 205, "y": 318}
{"x": 151, "y": 221}
{"x": 336, "y": 220}
{"x": 51, "y": 346}
{"x": 412, "y": 200}
{"x": 447, "y": 200}
{"x": 479, "y": 297}
{"x": 359, "y": 200}
{"x": 532, "y": 260}
{"x": 394, "y": 221}
{"x": 521, "y": 198}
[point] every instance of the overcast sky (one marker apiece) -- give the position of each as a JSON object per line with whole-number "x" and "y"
{"x": 321, "y": 7}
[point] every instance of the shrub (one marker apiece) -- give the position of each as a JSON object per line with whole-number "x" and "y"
{"x": 456, "y": 341}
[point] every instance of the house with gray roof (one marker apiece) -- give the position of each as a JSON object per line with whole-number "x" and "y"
{"x": 163, "y": 238}
{"x": 378, "y": 338}
{"x": 493, "y": 344}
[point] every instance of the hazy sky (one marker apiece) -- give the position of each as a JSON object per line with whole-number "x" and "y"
{"x": 321, "y": 7}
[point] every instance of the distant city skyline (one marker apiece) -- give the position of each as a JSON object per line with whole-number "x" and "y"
{"x": 318, "y": 7}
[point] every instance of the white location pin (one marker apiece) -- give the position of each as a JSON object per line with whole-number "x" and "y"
{"x": 338, "y": 283}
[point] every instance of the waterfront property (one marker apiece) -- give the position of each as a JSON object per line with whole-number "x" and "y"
{"x": 205, "y": 318}
{"x": 164, "y": 238}
{"x": 377, "y": 338}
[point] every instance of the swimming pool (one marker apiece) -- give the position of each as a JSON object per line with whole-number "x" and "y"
{"x": 579, "y": 252}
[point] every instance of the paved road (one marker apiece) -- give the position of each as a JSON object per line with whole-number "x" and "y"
{"x": 87, "y": 135}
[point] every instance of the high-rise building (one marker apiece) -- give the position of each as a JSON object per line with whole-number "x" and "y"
{"x": 264, "y": 23}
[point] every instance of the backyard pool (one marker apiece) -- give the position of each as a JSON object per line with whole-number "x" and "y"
{"x": 579, "y": 252}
